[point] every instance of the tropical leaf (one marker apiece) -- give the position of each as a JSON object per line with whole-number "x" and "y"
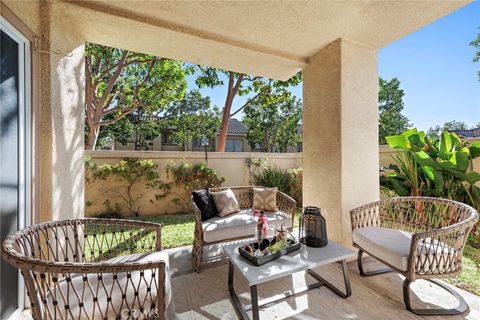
{"x": 445, "y": 145}
{"x": 396, "y": 142}
{"x": 435, "y": 176}
{"x": 475, "y": 149}
{"x": 461, "y": 160}
{"x": 425, "y": 160}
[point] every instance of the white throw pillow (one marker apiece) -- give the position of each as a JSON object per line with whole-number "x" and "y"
{"x": 225, "y": 202}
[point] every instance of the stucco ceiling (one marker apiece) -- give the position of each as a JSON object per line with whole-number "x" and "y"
{"x": 272, "y": 38}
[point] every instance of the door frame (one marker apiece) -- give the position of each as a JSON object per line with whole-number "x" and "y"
{"x": 29, "y": 98}
{"x": 34, "y": 112}
{"x": 24, "y": 106}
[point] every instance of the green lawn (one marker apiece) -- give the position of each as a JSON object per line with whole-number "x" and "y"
{"x": 177, "y": 229}
{"x": 469, "y": 279}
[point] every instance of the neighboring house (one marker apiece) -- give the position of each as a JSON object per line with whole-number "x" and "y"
{"x": 236, "y": 141}
{"x": 473, "y": 134}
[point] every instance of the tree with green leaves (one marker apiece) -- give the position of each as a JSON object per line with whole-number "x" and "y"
{"x": 121, "y": 82}
{"x": 390, "y": 107}
{"x": 238, "y": 84}
{"x": 192, "y": 117}
{"x": 434, "y": 132}
{"x": 476, "y": 44}
{"x": 273, "y": 119}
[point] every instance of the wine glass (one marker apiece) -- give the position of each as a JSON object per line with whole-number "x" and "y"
{"x": 270, "y": 233}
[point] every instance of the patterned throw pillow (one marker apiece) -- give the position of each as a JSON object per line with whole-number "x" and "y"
{"x": 265, "y": 199}
{"x": 225, "y": 202}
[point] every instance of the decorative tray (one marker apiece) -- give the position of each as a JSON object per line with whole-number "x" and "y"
{"x": 258, "y": 260}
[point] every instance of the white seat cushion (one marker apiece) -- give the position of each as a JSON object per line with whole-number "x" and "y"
{"x": 114, "y": 290}
{"x": 393, "y": 247}
{"x": 240, "y": 224}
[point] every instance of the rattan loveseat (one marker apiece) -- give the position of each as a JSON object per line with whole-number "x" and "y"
{"x": 239, "y": 225}
{"x": 418, "y": 237}
{"x": 92, "y": 269}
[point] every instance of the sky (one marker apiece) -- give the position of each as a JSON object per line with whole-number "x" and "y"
{"x": 435, "y": 69}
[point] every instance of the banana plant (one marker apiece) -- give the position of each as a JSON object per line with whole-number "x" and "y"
{"x": 440, "y": 167}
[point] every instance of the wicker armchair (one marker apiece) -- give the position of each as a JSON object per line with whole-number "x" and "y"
{"x": 418, "y": 237}
{"x": 92, "y": 268}
{"x": 285, "y": 204}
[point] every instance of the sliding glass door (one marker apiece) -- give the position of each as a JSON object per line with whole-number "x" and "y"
{"x": 14, "y": 127}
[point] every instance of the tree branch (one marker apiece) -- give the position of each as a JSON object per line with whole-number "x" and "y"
{"x": 113, "y": 79}
{"x": 113, "y": 110}
{"x": 239, "y": 82}
{"x": 252, "y": 79}
{"x": 261, "y": 93}
{"x": 116, "y": 119}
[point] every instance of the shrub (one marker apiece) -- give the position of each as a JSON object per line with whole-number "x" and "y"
{"x": 438, "y": 168}
{"x": 110, "y": 212}
{"x": 132, "y": 174}
{"x": 273, "y": 176}
{"x": 296, "y": 185}
{"x": 254, "y": 166}
{"x": 187, "y": 177}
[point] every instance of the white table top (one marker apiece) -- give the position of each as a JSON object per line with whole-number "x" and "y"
{"x": 303, "y": 259}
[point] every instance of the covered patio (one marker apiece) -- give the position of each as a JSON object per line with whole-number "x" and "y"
{"x": 334, "y": 44}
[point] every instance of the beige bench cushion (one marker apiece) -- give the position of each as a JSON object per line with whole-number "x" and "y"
{"x": 239, "y": 225}
{"x": 118, "y": 289}
{"x": 393, "y": 247}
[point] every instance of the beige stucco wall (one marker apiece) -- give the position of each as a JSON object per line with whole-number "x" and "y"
{"x": 28, "y": 12}
{"x": 230, "y": 165}
{"x": 340, "y": 133}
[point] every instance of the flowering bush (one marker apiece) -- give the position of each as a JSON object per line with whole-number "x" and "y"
{"x": 130, "y": 173}
{"x": 187, "y": 177}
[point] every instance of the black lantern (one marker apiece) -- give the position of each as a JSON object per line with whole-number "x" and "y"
{"x": 313, "y": 228}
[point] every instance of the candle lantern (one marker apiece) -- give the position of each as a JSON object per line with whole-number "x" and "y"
{"x": 313, "y": 228}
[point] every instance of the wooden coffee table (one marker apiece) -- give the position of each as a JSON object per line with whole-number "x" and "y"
{"x": 304, "y": 259}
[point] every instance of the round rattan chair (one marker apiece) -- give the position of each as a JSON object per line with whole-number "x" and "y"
{"x": 418, "y": 237}
{"x": 92, "y": 268}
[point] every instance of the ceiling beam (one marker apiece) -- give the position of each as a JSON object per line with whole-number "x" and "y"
{"x": 184, "y": 29}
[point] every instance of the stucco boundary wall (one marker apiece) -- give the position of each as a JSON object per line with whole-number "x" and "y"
{"x": 230, "y": 165}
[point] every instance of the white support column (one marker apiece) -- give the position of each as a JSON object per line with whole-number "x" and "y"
{"x": 340, "y": 133}
{"x": 67, "y": 95}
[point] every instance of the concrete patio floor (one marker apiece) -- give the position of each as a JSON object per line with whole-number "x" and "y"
{"x": 205, "y": 295}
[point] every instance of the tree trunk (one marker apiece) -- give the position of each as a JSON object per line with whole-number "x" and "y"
{"x": 222, "y": 139}
{"x": 92, "y": 137}
{"x": 232, "y": 92}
